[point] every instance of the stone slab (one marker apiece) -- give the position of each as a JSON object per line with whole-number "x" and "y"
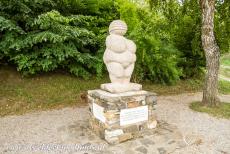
{"x": 121, "y": 88}
{"x": 111, "y": 97}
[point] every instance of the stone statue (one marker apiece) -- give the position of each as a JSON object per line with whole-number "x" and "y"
{"x": 119, "y": 58}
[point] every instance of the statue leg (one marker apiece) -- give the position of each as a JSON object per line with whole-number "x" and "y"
{"x": 128, "y": 72}
{"x": 115, "y": 79}
{"x": 126, "y": 80}
{"x": 116, "y": 72}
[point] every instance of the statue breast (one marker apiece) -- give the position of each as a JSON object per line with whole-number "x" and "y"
{"x": 131, "y": 46}
{"x": 116, "y": 43}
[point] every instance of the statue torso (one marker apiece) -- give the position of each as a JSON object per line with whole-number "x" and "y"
{"x": 120, "y": 50}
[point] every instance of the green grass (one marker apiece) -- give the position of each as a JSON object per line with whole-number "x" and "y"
{"x": 225, "y": 72}
{"x": 52, "y": 90}
{"x": 19, "y": 94}
{"x": 225, "y": 60}
{"x": 223, "y": 111}
{"x": 224, "y": 87}
{"x": 182, "y": 86}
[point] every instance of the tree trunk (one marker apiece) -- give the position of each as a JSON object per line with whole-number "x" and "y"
{"x": 212, "y": 54}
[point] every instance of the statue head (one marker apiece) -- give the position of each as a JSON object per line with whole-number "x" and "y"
{"x": 118, "y": 27}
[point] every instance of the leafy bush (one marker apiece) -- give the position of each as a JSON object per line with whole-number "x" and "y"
{"x": 157, "y": 58}
{"x": 37, "y": 38}
{"x": 187, "y": 39}
{"x": 184, "y": 29}
{"x": 43, "y": 35}
{"x": 222, "y": 25}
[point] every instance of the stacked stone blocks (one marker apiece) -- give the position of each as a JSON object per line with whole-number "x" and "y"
{"x": 108, "y": 117}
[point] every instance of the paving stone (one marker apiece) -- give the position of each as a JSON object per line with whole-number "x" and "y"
{"x": 129, "y": 151}
{"x": 146, "y": 142}
{"x": 125, "y": 137}
{"x": 91, "y": 137}
{"x": 142, "y": 149}
{"x": 161, "y": 150}
{"x": 171, "y": 142}
{"x": 151, "y": 142}
{"x": 132, "y": 128}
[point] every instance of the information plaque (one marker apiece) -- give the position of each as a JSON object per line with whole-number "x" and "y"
{"x": 98, "y": 112}
{"x": 133, "y": 115}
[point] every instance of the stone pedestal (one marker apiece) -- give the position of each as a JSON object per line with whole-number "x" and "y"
{"x": 121, "y": 87}
{"x": 123, "y": 116}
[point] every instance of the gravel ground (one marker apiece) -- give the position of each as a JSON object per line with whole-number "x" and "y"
{"x": 200, "y": 133}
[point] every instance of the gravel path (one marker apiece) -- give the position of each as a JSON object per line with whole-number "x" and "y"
{"x": 224, "y": 66}
{"x": 202, "y": 133}
{"x": 194, "y": 132}
{"x": 222, "y": 77}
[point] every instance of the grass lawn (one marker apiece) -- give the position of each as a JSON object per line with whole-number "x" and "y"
{"x": 56, "y": 90}
{"x": 225, "y": 65}
{"x": 222, "y": 111}
{"x": 224, "y": 87}
{"x": 51, "y": 90}
{"x": 225, "y": 72}
{"x": 225, "y": 60}
{"x": 19, "y": 95}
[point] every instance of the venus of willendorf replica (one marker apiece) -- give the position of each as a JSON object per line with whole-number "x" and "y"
{"x": 120, "y": 110}
{"x": 119, "y": 58}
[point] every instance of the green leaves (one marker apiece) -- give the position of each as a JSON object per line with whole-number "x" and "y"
{"x": 8, "y": 25}
{"x": 43, "y": 35}
{"x": 30, "y": 40}
{"x": 49, "y": 40}
{"x": 157, "y": 58}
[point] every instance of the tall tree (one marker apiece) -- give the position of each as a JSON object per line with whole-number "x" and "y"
{"x": 212, "y": 54}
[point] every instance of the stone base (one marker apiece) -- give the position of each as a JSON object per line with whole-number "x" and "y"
{"x": 120, "y": 88}
{"x": 121, "y": 117}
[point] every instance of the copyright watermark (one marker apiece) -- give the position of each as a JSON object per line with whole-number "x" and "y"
{"x": 56, "y": 147}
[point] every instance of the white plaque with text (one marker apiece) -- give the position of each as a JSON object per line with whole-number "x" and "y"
{"x": 133, "y": 115}
{"x": 98, "y": 112}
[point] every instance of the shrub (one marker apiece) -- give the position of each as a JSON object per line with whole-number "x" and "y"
{"x": 39, "y": 39}
{"x": 157, "y": 57}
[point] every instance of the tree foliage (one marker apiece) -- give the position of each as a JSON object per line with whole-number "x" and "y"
{"x": 187, "y": 39}
{"x": 157, "y": 57}
{"x": 222, "y": 25}
{"x": 37, "y": 38}
{"x": 44, "y": 35}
